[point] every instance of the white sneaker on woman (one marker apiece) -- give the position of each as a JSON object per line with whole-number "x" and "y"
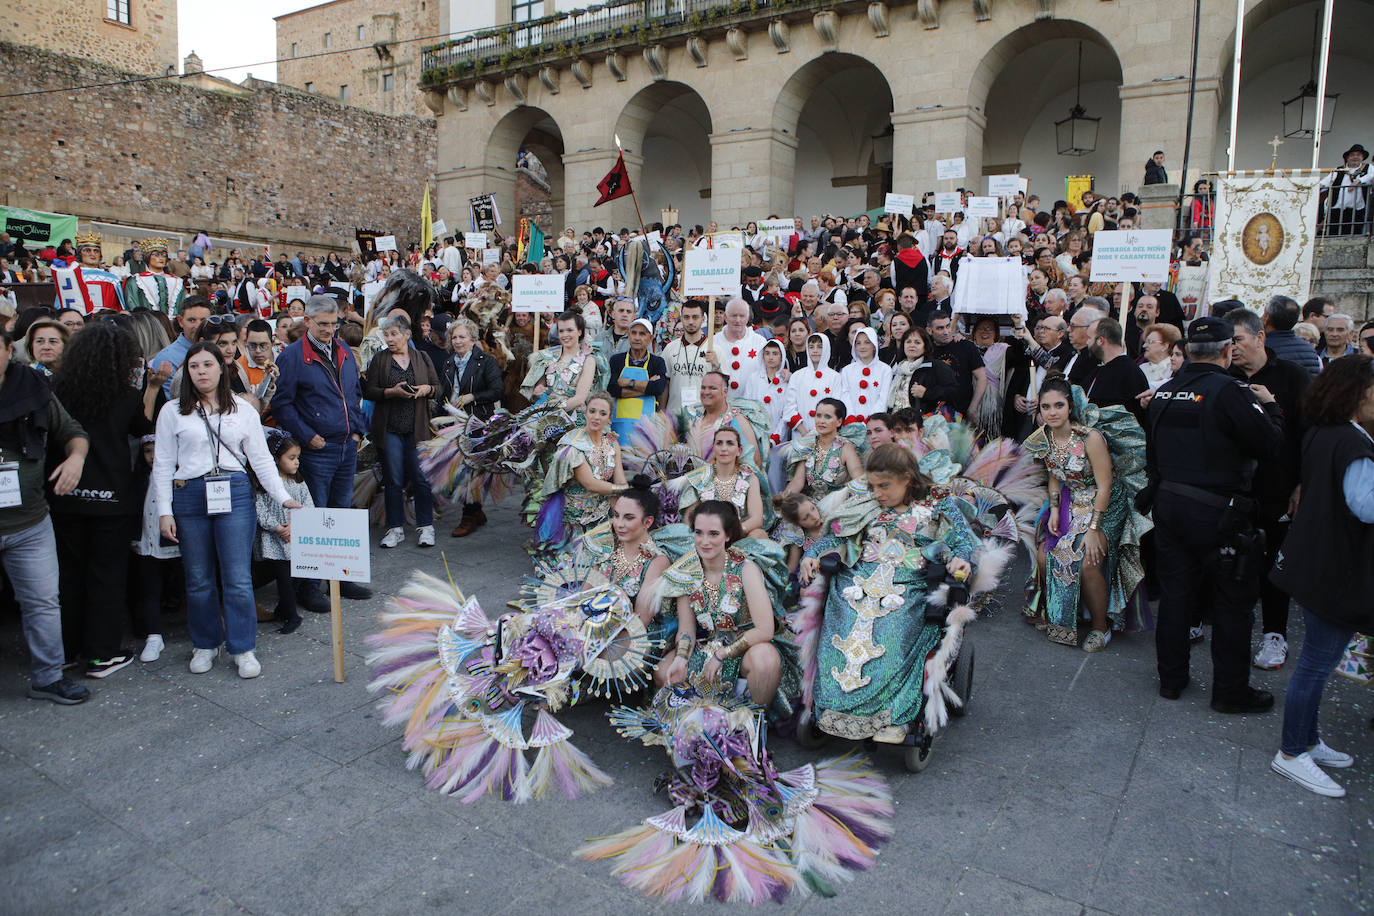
{"x": 202, "y": 660}
{"x": 1302, "y": 770}
{"x": 248, "y": 664}
{"x": 1273, "y": 652}
{"x": 1326, "y": 757}
{"x": 152, "y": 648}
{"x": 425, "y": 535}
{"x": 394, "y": 537}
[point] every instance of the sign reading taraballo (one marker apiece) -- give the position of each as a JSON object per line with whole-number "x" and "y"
{"x": 711, "y": 272}
{"x": 536, "y": 293}
{"x": 1131, "y": 256}
{"x": 330, "y": 544}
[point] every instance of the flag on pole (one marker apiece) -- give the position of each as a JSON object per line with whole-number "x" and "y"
{"x": 426, "y": 222}
{"x": 529, "y": 243}
{"x": 616, "y": 183}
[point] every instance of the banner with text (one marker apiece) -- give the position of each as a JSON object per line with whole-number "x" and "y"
{"x": 948, "y": 202}
{"x": 711, "y": 272}
{"x": 949, "y": 169}
{"x": 981, "y": 207}
{"x": 778, "y": 229}
{"x": 1131, "y": 256}
{"x": 901, "y": 204}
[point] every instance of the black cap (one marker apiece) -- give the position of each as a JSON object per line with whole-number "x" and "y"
{"x": 753, "y": 271}
{"x": 1210, "y": 330}
{"x": 1355, "y": 149}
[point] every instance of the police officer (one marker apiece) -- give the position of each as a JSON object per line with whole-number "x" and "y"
{"x": 1206, "y": 432}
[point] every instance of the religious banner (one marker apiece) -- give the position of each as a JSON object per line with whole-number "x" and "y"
{"x": 1265, "y": 235}
{"x": 1190, "y": 287}
{"x": 991, "y": 286}
{"x": 484, "y": 214}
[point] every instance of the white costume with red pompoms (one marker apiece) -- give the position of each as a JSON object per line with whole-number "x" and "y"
{"x": 809, "y": 386}
{"x": 866, "y": 386}
{"x": 739, "y": 359}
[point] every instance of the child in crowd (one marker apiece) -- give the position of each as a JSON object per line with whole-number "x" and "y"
{"x": 274, "y": 525}
{"x": 150, "y": 561}
{"x": 801, "y": 511}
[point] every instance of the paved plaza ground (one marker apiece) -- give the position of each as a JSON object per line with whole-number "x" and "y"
{"x": 1070, "y": 788}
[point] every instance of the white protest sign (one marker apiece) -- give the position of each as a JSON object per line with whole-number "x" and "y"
{"x": 491, "y": 256}
{"x": 370, "y": 293}
{"x": 475, "y": 240}
{"x": 900, "y": 204}
{"x": 386, "y": 243}
{"x": 726, "y": 240}
{"x": 780, "y": 229}
{"x": 949, "y": 168}
{"x": 297, "y": 293}
{"x": 1131, "y": 256}
{"x": 654, "y": 238}
{"x": 947, "y": 201}
{"x": 1003, "y": 185}
{"x": 330, "y": 544}
{"x": 1023, "y": 185}
{"x": 980, "y": 207}
{"x": 991, "y": 286}
{"x": 536, "y": 293}
{"x": 711, "y": 272}
{"x": 438, "y": 228}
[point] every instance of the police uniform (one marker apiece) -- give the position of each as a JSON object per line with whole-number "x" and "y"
{"x": 1206, "y": 432}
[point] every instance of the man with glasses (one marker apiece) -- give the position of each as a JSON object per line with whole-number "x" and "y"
{"x": 259, "y": 365}
{"x": 194, "y": 310}
{"x": 1082, "y": 329}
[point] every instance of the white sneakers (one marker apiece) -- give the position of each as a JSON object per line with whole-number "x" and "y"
{"x": 152, "y": 648}
{"x": 248, "y": 664}
{"x": 394, "y": 537}
{"x": 1324, "y": 756}
{"x": 1303, "y": 770}
{"x": 425, "y": 535}
{"x": 202, "y": 660}
{"x": 1273, "y": 652}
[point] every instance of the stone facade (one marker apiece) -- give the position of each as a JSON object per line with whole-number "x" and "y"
{"x": 271, "y": 166}
{"x": 532, "y": 202}
{"x": 146, "y": 45}
{"x": 380, "y": 66}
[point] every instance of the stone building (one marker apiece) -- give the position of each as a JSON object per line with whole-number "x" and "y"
{"x": 139, "y": 36}
{"x": 360, "y": 52}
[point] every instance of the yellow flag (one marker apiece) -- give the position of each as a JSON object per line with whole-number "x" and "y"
{"x": 426, "y": 222}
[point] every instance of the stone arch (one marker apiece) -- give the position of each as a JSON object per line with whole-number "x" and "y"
{"x": 665, "y": 129}
{"x": 526, "y": 192}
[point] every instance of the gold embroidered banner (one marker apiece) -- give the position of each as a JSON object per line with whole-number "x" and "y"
{"x": 1265, "y": 237}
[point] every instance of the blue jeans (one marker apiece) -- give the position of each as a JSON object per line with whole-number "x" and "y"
{"x": 401, "y": 465}
{"x": 228, "y": 539}
{"x": 328, "y": 473}
{"x": 1322, "y": 647}
{"x": 30, "y": 558}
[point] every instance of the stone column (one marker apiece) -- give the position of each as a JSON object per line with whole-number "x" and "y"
{"x": 1155, "y": 116}
{"x": 752, "y": 175}
{"x": 922, "y": 136}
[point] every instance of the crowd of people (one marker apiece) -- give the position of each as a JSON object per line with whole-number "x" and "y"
{"x": 820, "y": 410}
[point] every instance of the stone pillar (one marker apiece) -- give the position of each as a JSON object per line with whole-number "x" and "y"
{"x": 456, "y": 187}
{"x": 752, "y": 173}
{"x": 920, "y": 137}
{"x": 1155, "y": 116}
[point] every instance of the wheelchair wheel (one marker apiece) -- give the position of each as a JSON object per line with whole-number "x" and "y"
{"x": 962, "y": 680}
{"x": 811, "y": 737}
{"x": 917, "y": 757}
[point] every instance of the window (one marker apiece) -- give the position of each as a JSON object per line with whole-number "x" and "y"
{"x": 118, "y": 10}
{"x": 309, "y": 87}
{"x": 362, "y": 33}
{"x": 328, "y": 40}
{"x": 525, "y": 10}
{"x": 293, "y": 49}
{"x": 388, "y": 82}
{"x": 343, "y": 93}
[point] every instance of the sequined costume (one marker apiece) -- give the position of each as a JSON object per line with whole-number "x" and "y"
{"x": 564, "y": 509}
{"x": 701, "y": 484}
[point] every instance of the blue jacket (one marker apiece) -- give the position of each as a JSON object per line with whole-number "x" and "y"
{"x": 309, "y": 402}
{"x": 1289, "y": 346}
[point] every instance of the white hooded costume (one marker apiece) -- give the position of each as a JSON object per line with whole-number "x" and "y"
{"x": 809, "y": 385}
{"x": 864, "y": 386}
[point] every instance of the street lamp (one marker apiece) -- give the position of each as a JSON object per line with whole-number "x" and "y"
{"x": 1077, "y": 134}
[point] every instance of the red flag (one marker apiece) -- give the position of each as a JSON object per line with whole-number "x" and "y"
{"x": 615, "y": 184}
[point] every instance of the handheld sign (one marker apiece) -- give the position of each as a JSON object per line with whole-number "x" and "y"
{"x": 1003, "y": 185}
{"x": 297, "y": 293}
{"x": 386, "y": 243}
{"x": 900, "y": 204}
{"x": 331, "y": 544}
{"x": 991, "y": 286}
{"x": 779, "y": 229}
{"x": 949, "y": 169}
{"x": 438, "y": 228}
{"x": 1131, "y": 256}
{"x": 979, "y": 207}
{"x": 536, "y": 293}
{"x": 491, "y": 256}
{"x": 711, "y": 272}
{"x": 947, "y": 202}
{"x": 475, "y": 241}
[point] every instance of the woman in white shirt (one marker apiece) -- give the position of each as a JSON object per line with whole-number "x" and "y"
{"x": 206, "y": 439}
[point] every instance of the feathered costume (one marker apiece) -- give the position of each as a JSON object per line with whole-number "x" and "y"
{"x": 740, "y": 831}
{"x": 475, "y": 693}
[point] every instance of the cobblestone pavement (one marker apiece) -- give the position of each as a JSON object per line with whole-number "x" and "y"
{"x": 1069, "y": 788}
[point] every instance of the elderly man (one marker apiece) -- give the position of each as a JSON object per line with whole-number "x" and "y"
{"x": 1336, "y": 337}
{"x": 317, "y": 401}
{"x": 637, "y": 379}
{"x": 832, "y": 321}
{"x": 1347, "y": 193}
{"x": 810, "y": 299}
{"x": 1029, "y": 358}
{"x": 616, "y": 338}
{"x": 738, "y": 347}
{"x": 1082, "y": 329}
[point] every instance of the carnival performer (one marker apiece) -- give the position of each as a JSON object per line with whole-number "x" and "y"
{"x": 890, "y": 530}
{"x": 155, "y": 288}
{"x": 821, "y": 464}
{"x": 584, "y": 471}
{"x": 712, "y": 412}
{"x": 804, "y": 518}
{"x": 730, "y": 479}
{"x": 769, "y": 385}
{"x": 866, "y": 382}
{"x": 564, "y": 375}
{"x": 727, "y": 591}
{"x": 1096, "y": 462}
{"x": 85, "y": 286}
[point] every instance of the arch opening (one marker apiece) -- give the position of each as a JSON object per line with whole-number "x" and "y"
{"x": 669, "y": 126}
{"x": 527, "y": 145}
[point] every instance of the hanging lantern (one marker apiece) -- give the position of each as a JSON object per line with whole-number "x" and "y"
{"x": 1076, "y": 135}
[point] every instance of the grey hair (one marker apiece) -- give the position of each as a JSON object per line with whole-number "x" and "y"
{"x": 1096, "y": 302}
{"x": 735, "y": 300}
{"x": 811, "y": 285}
{"x": 1340, "y": 316}
{"x": 1244, "y": 318}
{"x": 1207, "y": 351}
{"x": 1093, "y": 315}
{"x": 319, "y": 305}
{"x": 1056, "y": 293}
{"x": 466, "y": 324}
{"x": 395, "y": 319}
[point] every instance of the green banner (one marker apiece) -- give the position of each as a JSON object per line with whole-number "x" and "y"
{"x": 35, "y": 227}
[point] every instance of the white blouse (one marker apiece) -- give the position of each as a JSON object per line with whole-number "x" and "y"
{"x": 184, "y": 451}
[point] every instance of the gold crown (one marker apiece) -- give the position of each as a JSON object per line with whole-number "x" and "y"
{"x": 148, "y": 246}
{"x": 87, "y": 240}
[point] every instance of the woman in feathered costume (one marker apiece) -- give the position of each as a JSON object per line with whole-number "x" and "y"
{"x": 1096, "y": 461}
{"x": 584, "y": 471}
{"x": 728, "y": 478}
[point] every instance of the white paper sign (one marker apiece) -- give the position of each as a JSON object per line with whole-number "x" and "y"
{"x": 1191, "y": 288}
{"x": 370, "y": 293}
{"x": 949, "y": 168}
{"x": 330, "y": 544}
{"x": 438, "y": 228}
{"x": 901, "y": 204}
{"x": 1003, "y": 185}
{"x": 295, "y": 293}
{"x": 991, "y": 286}
{"x": 386, "y": 243}
{"x": 1131, "y": 256}
{"x": 475, "y": 241}
{"x": 654, "y": 238}
{"x": 780, "y": 229}
{"x": 491, "y": 256}
{"x": 711, "y": 272}
{"x": 948, "y": 202}
{"x": 536, "y": 293}
{"x": 726, "y": 240}
{"x": 979, "y": 207}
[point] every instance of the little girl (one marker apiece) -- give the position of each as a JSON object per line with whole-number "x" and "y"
{"x": 274, "y": 526}
{"x": 150, "y": 562}
{"x": 802, "y": 512}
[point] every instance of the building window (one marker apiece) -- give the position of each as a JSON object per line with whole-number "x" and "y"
{"x": 118, "y": 10}
{"x": 343, "y": 93}
{"x": 388, "y": 82}
{"x": 525, "y": 10}
{"x": 309, "y": 87}
{"x": 361, "y": 33}
{"x": 328, "y": 40}
{"x": 293, "y": 49}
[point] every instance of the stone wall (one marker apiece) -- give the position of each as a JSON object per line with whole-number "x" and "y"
{"x": 274, "y": 166}
{"x": 532, "y": 201}
{"x": 357, "y": 62}
{"x": 147, "y": 45}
